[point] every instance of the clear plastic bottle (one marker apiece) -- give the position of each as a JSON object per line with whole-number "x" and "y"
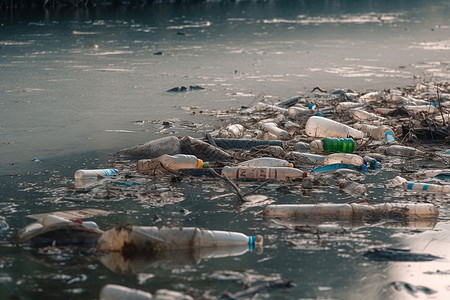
{"x": 165, "y": 238}
{"x": 372, "y": 162}
{"x": 343, "y": 106}
{"x": 98, "y": 173}
{"x": 420, "y": 108}
{"x": 352, "y": 188}
{"x": 399, "y": 150}
{"x": 322, "y": 127}
{"x": 115, "y": 292}
{"x": 51, "y": 219}
{"x": 343, "y": 158}
{"x": 426, "y": 187}
{"x": 345, "y": 145}
{"x": 298, "y": 113}
{"x": 171, "y": 163}
{"x": 266, "y": 162}
{"x": 382, "y": 133}
{"x": 335, "y": 167}
{"x": 308, "y": 157}
{"x": 280, "y": 173}
{"x": 431, "y": 173}
{"x": 261, "y": 106}
{"x": 359, "y": 114}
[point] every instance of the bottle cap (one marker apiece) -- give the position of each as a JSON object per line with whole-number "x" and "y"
{"x": 205, "y": 165}
{"x": 316, "y": 146}
{"x": 305, "y": 174}
{"x": 389, "y": 137}
{"x": 291, "y": 165}
{"x": 363, "y": 167}
{"x": 341, "y": 185}
{"x": 199, "y": 163}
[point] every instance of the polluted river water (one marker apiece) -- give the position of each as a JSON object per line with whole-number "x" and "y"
{"x": 78, "y": 85}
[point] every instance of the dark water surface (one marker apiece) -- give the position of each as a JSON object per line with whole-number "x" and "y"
{"x": 79, "y": 84}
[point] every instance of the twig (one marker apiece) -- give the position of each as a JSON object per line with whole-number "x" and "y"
{"x": 235, "y": 187}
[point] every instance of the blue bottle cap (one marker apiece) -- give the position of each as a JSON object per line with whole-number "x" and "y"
{"x": 434, "y": 104}
{"x": 363, "y": 167}
{"x": 389, "y": 137}
{"x": 311, "y": 105}
{"x": 251, "y": 243}
{"x": 319, "y": 114}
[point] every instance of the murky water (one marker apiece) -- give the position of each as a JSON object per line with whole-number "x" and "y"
{"x": 78, "y": 85}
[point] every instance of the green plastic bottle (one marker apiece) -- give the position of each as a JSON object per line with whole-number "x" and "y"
{"x": 344, "y": 145}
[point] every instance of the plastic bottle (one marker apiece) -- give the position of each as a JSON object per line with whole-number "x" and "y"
{"x": 166, "y": 145}
{"x": 51, "y": 219}
{"x": 431, "y": 173}
{"x": 373, "y": 96}
{"x": 360, "y": 114}
{"x": 99, "y": 173}
{"x": 343, "y": 158}
{"x": 344, "y": 106}
{"x": 425, "y": 187}
{"x": 244, "y": 143}
{"x": 152, "y": 238}
{"x": 280, "y": 173}
{"x": 235, "y": 130}
{"x": 91, "y": 224}
{"x": 399, "y": 150}
{"x": 322, "y": 127}
{"x": 275, "y": 130}
{"x": 382, "y": 133}
{"x": 353, "y": 210}
{"x": 266, "y": 162}
{"x": 308, "y": 157}
{"x": 260, "y": 106}
{"x": 302, "y": 147}
{"x": 171, "y": 163}
{"x": 115, "y": 292}
{"x": 352, "y": 188}
{"x": 345, "y": 145}
{"x": 420, "y": 108}
{"x": 298, "y": 113}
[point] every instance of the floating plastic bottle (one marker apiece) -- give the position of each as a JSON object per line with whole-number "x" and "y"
{"x": 275, "y": 130}
{"x": 334, "y": 167}
{"x": 90, "y": 174}
{"x": 171, "y": 163}
{"x": 145, "y": 239}
{"x": 399, "y": 150}
{"x": 343, "y": 158}
{"x": 266, "y": 162}
{"x": 280, "y": 173}
{"x": 244, "y": 143}
{"x": 51, "y": 219}
{"x": 381, "y": 133}
{"x": 202, "y": 150}
{"x": 166, "y": 145}
{"x": 353, "y": 210}
{"x": 426, "y": 187}
{"x": 344, "y": 145}
{"x": 114, "y": 292}
{"x": 322, "y": 127}
{"x": 354, "y": 189}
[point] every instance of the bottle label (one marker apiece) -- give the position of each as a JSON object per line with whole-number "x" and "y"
{"x": 409, "y": 186}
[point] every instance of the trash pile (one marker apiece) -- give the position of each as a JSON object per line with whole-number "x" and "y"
{"x": 307, "y": 141}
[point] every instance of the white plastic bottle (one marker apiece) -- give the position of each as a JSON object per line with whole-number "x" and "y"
{"x": 98, "y": 173}
{"x": 165, "y": 238}
{"x": 322, "y": 127}
{"x": 171, "y": 163}
{"x": 381, "y": 133}
{"x": 343, "y": 158}
{"x": 115, "y": 292}
{"x": 308, "y": 157}
{"x": 235, "y": 130}
{"x": 426, "y": 187}
{"x": 51, "y": 219}
{"x": 266, "y": 162}
{"x": 280, "y": 173}
{"x": 275, "y": 130}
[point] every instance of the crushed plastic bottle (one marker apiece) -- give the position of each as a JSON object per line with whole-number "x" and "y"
{"x": 399, "y": 150}
{"x": 381, "y": 133}
{"x": 352, "y": 188}
{"x": 322, "y": 127}
{"x": 344, "y": 145}
{"x": 171, "y": 163}
{"x": 255, "y": 173}
{"x": 165, "y": 145}
{"x": 266, "y": 162}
